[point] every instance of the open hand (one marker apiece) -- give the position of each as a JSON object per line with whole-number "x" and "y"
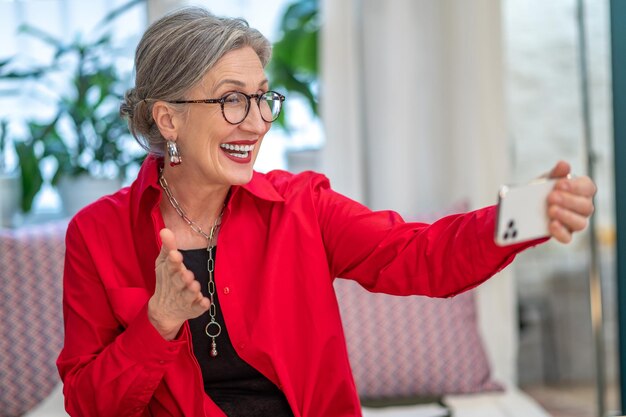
{"x": 177, "y": 296}
{"x": 570, "y": 204}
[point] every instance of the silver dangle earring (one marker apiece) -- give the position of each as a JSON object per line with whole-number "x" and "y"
{"x": 174, "y": 154}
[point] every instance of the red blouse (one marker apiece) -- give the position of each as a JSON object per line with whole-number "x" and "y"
{"x": 284, "y": 238}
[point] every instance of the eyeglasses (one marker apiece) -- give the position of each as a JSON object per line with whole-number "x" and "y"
{"x": 236, "y": 105}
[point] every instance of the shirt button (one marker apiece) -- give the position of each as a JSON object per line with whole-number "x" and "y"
{"x": 242, "y": 345}
{"x": 161, "y": 362}
{"x": 226, "y": 290}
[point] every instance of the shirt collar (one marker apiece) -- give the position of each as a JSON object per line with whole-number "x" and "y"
{"x": 148, "y": 176}
{"x": 262, "y": 188}
{"x": 148, "y": 182}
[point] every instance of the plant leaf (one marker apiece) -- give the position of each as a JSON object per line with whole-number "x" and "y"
{"x": 41, "y": 35}
{"x": 30, "y": 174}
{"x": 113, "y": 14}
{"x": 294, "y": 65}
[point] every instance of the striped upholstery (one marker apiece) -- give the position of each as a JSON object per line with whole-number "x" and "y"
{"x": 31, "y": 270}
{"x": 403, "y": 347}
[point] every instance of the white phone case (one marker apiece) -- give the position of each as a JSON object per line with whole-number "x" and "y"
{"x": 523, "y": 212}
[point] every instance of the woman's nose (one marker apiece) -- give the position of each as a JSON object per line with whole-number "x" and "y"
{"x": 253, "y": 121}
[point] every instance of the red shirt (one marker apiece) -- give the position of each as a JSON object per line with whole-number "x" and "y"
{"x": 283, "y": 240}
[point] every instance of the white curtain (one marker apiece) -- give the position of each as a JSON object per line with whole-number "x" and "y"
{"x": 412, "y": 102}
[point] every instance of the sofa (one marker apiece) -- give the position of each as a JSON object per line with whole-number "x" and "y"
{"x": 426, "y": 357}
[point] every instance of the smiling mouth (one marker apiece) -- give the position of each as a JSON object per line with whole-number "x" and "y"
{"x": 237, "y": 151}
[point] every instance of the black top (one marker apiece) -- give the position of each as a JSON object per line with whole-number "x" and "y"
{"x": 235, "y": 386}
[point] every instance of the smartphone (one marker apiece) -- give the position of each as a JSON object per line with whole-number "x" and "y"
{"x": 523, "y": 212}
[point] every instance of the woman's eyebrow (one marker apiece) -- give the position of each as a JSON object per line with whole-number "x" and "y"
{"x": 229, "y": 81}
{"x": 237, "y": 83}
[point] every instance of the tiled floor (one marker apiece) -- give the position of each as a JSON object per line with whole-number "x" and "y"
{"x": 572, "y": 401}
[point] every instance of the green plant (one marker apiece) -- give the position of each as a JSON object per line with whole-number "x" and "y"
{"x": 294, "y": 64}
{"x": 85, "y": 133}
{"x": 28, "y": 160}
{"x": 4, "y": 130}
{"x": 30, "y": 176}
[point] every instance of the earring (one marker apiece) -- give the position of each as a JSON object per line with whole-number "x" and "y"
{"x": 172, "y": 151}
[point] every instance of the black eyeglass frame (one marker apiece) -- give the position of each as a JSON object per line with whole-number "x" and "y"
{"x": 248, "y": 97}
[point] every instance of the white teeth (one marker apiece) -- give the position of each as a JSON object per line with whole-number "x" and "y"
{"x": 242, "y": 155}
{"x": 237, "y": 148}
{"x": 238, "y": 151}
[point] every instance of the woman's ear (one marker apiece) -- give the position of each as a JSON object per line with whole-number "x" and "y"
{"x": 164, "y": 117}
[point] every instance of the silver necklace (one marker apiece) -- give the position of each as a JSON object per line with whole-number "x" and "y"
{"x": 213, "y": 328}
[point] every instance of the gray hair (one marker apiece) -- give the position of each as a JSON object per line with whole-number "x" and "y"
{"x": 173, "y": 56}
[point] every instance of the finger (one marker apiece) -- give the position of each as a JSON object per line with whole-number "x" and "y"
{"x": 168, "y": 240}
{"x": 197, "y": 301}
{"x": 560, "y": 169}
{"x": 573, "y": 202}
{"x": 201, "y": 305}
{"x": 168, "y": 244}
{"x": 173, "y": 258}
{"x": 197, "y": 297}
{"x": 175, "y": 270}
{"x": 181, "y": 277}
{"x": 572, "y": 221}
{"x": 194, "y": 289}
{"x": 559, "y": 232}
{"x": 204, "y": 304}
{"x": 582, "y": 186}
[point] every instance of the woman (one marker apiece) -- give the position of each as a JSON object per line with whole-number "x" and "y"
{"x": 160, "y": 322}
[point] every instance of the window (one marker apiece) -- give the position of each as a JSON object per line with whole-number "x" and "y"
{"x": 69, "y": 20}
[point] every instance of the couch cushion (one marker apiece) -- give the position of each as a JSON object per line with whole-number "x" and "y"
{"x": 31, "y": 281}
{"x": 408, "y": 346}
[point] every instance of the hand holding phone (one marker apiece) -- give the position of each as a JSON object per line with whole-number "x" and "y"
{"x": 523, "y": 212}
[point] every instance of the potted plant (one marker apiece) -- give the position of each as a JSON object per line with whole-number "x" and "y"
{"x": 86, "y": 137}
{"x": 294, "y": 64}
{"x": 19, "y": 183}
{"x": 294, "y": 69}
{"x": 10, "y": 190}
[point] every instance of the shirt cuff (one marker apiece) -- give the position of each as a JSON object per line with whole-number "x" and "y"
{"x": 144, "y": 344}
{"x": 496, "y": 255}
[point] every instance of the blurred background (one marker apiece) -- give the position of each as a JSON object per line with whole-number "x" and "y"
{"x": 416, "y": 106}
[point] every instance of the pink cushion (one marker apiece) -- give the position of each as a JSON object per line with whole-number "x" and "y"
{"x": 413, "y": 346}
{"x": 31, "y": 282}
